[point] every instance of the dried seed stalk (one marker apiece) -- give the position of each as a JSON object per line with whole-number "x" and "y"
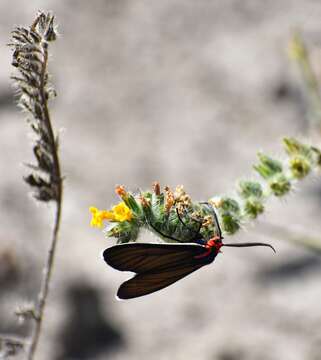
{"x": 30, "y": 57}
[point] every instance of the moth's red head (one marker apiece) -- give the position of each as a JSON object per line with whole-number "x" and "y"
{"x": 215, "y": 243}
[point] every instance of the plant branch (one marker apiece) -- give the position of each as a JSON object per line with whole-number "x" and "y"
{"x": 30, "y": 57}
{"x": 43, "y": 295}
{"x": 301, "y": 55}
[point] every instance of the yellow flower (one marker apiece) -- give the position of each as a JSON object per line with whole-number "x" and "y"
{"x": 99, "y": 215}
{"x": 122, "y": 212}
{"x": 119, "y": 212}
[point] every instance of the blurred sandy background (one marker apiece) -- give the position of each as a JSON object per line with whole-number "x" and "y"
{"x": 178, "y": 91}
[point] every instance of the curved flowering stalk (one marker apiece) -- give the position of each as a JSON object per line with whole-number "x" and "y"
{"x": 277, "y": 179}
{"x": 174, "y": 216}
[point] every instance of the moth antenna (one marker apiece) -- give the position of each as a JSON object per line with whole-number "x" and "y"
{"x": 217, "y": 224}
{"x": 190, "y": 229}
{"x": 250, "y": 244}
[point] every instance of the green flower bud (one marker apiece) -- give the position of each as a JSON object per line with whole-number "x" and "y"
{"x": 229, "y": 205}
{"x": 133, "y": 204}
{"x": 253, "y": 207}
{"x": 267, "y": 166}
{"x": 230, "y": 224}
{"x": 147, "y": 210}
{"x": 280, "y": 185}
{"x": 299, "y": 167}
{"x": 124, "y": 232}
{"x": 157, "y": 206}
{"x": 249, "y": 189}
{"x": 229, "y": 213}
{"x": 293, "y": 147}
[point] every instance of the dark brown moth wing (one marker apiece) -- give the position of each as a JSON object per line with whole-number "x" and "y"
{"x": 149, "y": 282}
{"x": 141, "y": 257}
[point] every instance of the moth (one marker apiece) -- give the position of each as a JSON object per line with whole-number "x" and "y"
{"x": 160, "y": 265}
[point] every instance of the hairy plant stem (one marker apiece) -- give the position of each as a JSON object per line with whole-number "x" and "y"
{"x": 44, "y": 290}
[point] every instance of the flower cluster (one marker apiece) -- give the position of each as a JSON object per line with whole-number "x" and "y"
{"x": 168, "y": 213}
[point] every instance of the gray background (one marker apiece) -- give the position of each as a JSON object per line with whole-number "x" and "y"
{"x": 184, "y": 92}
